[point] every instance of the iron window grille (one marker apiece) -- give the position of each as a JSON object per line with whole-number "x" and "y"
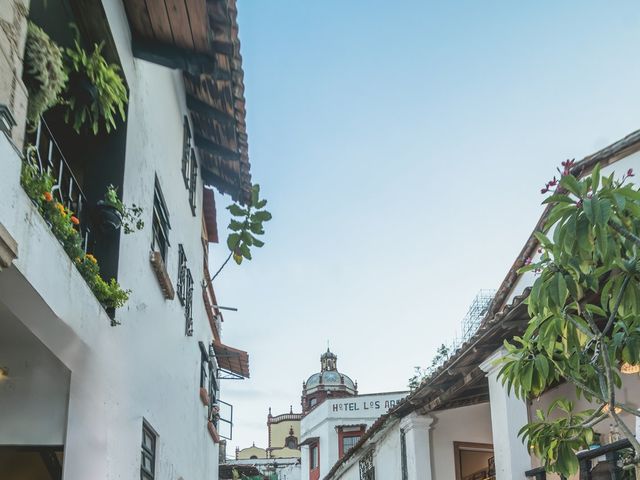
{"x": 207, "y": 375}
{"x": 188, "y": 303}
{"x": 403, "y": 454}
{"x": 193, "y": 176}
{"x": 367, "y": 468}
{"x": 186, "y": 151}
{"x": 182, "y": 275}
{"x": 160, "y": 225}
{"x": 148, "y": 460}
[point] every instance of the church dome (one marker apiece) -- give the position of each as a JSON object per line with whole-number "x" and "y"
{"x": 329, "y": 379}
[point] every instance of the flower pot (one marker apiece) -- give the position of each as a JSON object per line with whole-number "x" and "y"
{"x": 108, "y": 218}
{"x": 81, "y": 87}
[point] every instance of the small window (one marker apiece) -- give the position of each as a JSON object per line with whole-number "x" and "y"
{"x": 186, "y": 151}
{"x": 160, "y": 226}
{"x": 193, "y": 180}
{"x": 182, "y": 274}
{"x": 188, "y": 303}
{"x": 349, "y": 442}
{"x": 148, "y": 460}
{"x": 313, "y": 402}
{"x": 313, "y": 457}
{"x": 207, "y": 375}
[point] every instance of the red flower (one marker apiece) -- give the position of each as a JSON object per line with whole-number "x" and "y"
{"x": 47, "y": 196}
{"x": 75, "y": 220}
{"x": 567, "y": 164}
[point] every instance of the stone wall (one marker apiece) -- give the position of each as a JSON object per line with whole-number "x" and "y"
{"x": 13, "y": 94}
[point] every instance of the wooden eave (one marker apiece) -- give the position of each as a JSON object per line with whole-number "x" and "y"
{"x": 200, "y": 37}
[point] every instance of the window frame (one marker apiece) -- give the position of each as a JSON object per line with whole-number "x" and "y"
{"x": 187, "y": 142}
{"x": 148, "y": 453}
{"x": 314, "y": 456}
{"x": 403, "y": 454}
{"x": 350, "y": 438}
{"x": 193, "y": 181}
{"x": 182, "y": 275}
{"x": 188, "y": 304}
{"x": 160, "y": 224}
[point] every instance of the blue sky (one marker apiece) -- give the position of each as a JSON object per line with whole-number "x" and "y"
{"x": 402, "y": 146}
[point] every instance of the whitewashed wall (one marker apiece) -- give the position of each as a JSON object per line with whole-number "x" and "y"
{"x": 36, "y": 387}
{"x": 146, "y": 367}
{"x": 388, "y": 460}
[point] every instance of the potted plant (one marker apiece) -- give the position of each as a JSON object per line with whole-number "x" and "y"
{"x": 44, "y": 73}
{"x": 113, "y": 214}
{"x": 96, "y": 91}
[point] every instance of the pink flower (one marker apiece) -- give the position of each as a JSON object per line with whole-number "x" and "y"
{"x": 630, "y": 173}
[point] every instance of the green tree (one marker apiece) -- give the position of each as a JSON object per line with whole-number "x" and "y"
{"x": 419, "y": 374}
{"x": 585, "y": 315}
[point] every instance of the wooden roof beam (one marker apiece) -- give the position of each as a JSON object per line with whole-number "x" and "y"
{"x": 203, "y": 108}
{"x": 214, "y": 148}
{"x": 174, "y": 57}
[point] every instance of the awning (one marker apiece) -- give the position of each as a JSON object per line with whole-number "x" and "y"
{"x": 231, "y": 359}
{"x": 309, "y": 441}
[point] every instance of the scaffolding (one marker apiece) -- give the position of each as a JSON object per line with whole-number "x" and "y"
{"x": 469, "y": 326}
{"x": 477, "y": 311}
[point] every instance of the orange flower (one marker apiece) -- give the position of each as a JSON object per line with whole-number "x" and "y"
{"x": 47, "y": 196}
{"x": 91, "y": 258}
{"x": 75, "y": 220}
{"x": 60, "y": 208}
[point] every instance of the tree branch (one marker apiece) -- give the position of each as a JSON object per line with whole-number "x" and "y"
{"x": 624, "y": 232}
{"x": 614, "y": 312}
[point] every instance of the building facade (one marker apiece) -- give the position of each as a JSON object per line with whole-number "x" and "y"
{"x": 461, "y": 422}
{"x": 335, "y": 416}
{"x": 88, "y": 390}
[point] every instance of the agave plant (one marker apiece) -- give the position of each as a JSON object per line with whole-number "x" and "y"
{"x": 44, "y": 73}
{"x": 97, "y": 93}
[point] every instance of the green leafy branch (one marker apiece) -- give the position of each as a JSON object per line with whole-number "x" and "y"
{"x": 245, "y": 227}
{"x": 585, "y": 314}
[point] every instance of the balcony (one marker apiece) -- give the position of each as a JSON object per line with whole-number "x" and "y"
{"x": 604, "y": 462}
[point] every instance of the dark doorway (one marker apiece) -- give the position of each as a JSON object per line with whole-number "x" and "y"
{"x": 31, "y": 462}
{"x": 474, "y": 461}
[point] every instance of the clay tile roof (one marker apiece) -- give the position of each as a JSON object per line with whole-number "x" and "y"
{"x": 200, "y": 37}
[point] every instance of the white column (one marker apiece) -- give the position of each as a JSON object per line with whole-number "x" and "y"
{"x": 416, "y": 434}
{"x": 508, "y": 416}
{"x": 304, "y": 462}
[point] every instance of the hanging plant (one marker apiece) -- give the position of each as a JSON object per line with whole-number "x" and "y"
{"x": 44, "y": 72}
{"x": 97, "y": 93}
{"x": 113, "y": 213}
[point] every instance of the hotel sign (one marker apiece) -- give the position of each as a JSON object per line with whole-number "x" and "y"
{"x": 364, "y": 405}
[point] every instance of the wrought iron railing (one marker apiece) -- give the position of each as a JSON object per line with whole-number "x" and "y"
{"x": 599, "y": 463}
{"x": 66, "y": 189}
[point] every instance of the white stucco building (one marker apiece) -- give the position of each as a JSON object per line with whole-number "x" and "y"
{"x": 335, "y": 416}
{"x": 87, "y": 392}
{"x": 461, "y": 423}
